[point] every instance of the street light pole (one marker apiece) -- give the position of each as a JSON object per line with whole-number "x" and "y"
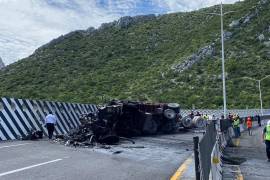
{"x": 259, "y": 83}
{"x": 222, "y": 57}
{"x": 260, "y": 96}
{"x": 223, "y": 63}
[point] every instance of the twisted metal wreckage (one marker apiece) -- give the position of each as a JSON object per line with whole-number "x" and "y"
{"x": 126, "y": 119}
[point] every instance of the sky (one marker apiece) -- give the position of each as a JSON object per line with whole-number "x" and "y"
{"x": 25, "y": 25}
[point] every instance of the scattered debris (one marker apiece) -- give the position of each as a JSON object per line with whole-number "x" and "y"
{"x": 33, "y": 135}
{"x": 117, "y": 152}
{"x": 105, "y": 147}
{"x": 131, "y": 147}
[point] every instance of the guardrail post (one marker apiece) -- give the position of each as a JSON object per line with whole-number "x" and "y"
{"x": 196, "y": 157}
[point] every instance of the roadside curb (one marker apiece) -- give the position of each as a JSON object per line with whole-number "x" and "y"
{"x": 182, "y": 169}
{"x": 239, "y": 175}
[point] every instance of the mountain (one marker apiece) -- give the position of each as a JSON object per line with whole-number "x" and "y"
{"x": 167, "y": 58}
{"x": 2, "y": 65}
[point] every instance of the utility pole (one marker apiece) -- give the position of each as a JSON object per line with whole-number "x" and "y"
{"x": 259, "y": 81}
{"x": 222, "y": 56}
{"x": 260, "y": 91}
{"x": 223, "y": 63}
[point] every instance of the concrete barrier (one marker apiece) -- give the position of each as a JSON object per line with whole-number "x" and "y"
{"x": 19, "y": 116}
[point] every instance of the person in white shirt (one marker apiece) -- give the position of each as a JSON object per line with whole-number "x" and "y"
{"x": 50, "y": 121}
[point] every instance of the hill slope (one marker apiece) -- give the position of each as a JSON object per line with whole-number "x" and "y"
{"x": 174, "y": 57}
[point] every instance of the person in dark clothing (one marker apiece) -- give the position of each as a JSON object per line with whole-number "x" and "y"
{"x": 259, "y": 120}
{"x": 230, "y": 117}
{"x": 191, "y": 115}
{"x": 266, "y": 138}
{"x": 238, "y": 128}
{"x": 198, "y": 113}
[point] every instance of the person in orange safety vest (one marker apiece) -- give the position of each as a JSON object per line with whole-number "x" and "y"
{"x": 249, "y": 125}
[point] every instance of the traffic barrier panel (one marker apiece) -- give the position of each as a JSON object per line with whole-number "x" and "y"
{"x": 19, "y": 116}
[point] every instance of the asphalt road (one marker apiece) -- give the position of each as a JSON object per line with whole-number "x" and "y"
{"x": 149, "y": 158}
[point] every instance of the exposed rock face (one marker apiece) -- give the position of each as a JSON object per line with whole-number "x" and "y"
{"x": 90, "y": 30}
{"x": 267, "y": 43}
{"x": 234, "y": 23}
{"x": 227, "y": 35}
{"x": 261, "y": 37}
{"x": 204, "y": 52}
{"x": 249, "y": 16}
{"x": 2, "y": 65}
{"x": 127, "y": 21}
{"x": 208, "y": 51}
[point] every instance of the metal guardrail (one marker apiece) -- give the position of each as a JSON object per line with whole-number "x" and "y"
{"x": 266, "y": 117}
{"x": 219, "y": 112}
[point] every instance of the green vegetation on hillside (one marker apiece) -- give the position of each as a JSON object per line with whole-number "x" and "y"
{"x": 135, "y": 62}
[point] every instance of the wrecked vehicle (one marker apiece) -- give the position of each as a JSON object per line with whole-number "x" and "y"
{"x": 126, "y": 119}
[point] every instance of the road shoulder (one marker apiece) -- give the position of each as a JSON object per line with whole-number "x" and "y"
{"x": 251, "y": 150}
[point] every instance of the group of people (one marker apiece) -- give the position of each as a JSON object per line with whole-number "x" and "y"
{"x": 204, "y": 116}
{"x": 249, "y": 124}
{"x": 236, "y": 121}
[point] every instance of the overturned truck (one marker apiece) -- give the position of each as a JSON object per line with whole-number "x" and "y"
{"x": 127, "y": 119}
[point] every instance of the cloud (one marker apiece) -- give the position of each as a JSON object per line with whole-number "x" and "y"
{"x": 189, "y": 5}
{"x": 27, "y": 24}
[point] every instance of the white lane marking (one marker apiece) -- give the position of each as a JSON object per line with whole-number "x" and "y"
{"x": 1, "y": 147}
{"x": 28, "y": 167}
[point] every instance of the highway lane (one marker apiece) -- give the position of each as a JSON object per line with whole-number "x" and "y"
{"x": 156, "y": 157}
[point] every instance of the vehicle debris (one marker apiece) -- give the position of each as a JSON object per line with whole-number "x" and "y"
{"x": 121, "y": 120}
{"x": 33, "y": 135}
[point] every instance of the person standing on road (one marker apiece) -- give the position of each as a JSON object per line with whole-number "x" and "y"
{"x": 259, "y": 120}
{"x": 236, "y": 125}
{"x": 50, "y": 121}
{"x": 198, "y": 113}
{"x": 230, "y": 118}
{"x": 266, "y": 139}
{"x": 249, "y": 125}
